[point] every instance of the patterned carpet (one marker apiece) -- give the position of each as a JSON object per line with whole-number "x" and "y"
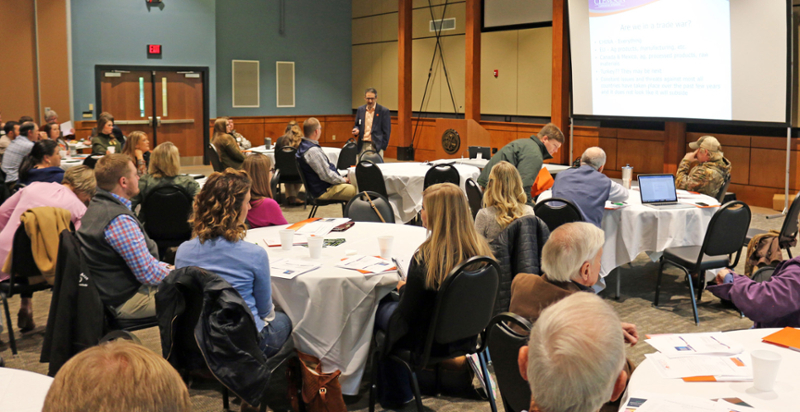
{"x": 635, "y": 305}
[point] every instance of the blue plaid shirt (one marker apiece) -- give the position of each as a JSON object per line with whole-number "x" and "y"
{"x": 15, "y": 153}
{"x": 125, "y": 237}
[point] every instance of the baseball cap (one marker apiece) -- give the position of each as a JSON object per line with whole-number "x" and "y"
{"x": 709, "y": 143}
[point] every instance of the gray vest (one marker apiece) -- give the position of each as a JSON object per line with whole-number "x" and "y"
{"x": 114, "y": 279}
{"x": 587, "y": 188}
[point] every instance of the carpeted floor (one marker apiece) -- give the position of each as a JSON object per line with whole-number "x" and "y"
{"x": 635, "y": 305}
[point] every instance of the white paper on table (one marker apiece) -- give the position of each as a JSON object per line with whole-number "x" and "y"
{"x": 723, "y": 368}
{"x": 321, "y": 227}
{"x": 370, "y": 264}
{"x": 690, "y": 344}
{"x": 66, "y": 128}
{"x": 724, "y": 406}
{"x": 642, "y": 401}
{"x": 683, "y": 404}
{"x": 290, "y": 268}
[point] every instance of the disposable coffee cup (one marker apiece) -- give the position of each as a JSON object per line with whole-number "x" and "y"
{"x": 385, "y": 245}
{"x": 287, "y": 238}
{"x": 267, "y": 143}
{"x": 765, "y": 369}
{"x": 64, "y": 154}
{"x": 112, "y": 149}
{"x": 315, "y": 246}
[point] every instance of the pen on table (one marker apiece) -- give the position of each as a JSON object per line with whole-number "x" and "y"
{"x": 687, "y": 344}
{"x": 717, "y": 340}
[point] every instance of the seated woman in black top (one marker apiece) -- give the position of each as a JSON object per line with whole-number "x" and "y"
{"x": 43, "y": 164}
{"x": 452, "y": 239}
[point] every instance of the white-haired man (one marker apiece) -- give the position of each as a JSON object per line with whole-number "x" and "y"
{"x": 588, "y": 187}
{"x": 575, "y": 357}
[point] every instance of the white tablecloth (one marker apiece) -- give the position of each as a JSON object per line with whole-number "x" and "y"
{"x": 785, "y": 397}
{"x": 331, "y": 152}
{"x": 636, "y": 228}
{"x": 332, "y": 309}
{"x": 22, "y": 391}
{"x": 67, "y": 164}
{"x": 404, "y": 183}
{"x": 481, "y": 163}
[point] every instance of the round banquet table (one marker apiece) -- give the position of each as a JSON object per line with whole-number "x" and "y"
{"x": 404, "y": 183}
{"x": 331, "y": 152}
{"x": 66, "y": 164}
{"x": 333, "y": 309}
{"x": 636, "y": 228}
{"x": 784, "y": 397}
{"x": 22, "y": 391}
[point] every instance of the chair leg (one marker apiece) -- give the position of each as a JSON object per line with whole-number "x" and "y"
{"x": 658, "y": 280}
{"x": 10, "y": 327}
{"x": 373, "y": 387}
{"x": 417, "y": 393}
{"x": 619, "y": 282}
{"x": 789, "y": 252}
{"x": 691, "y": 291}
{"x": 226, "y": 406}
{"x": 487, "y": 381}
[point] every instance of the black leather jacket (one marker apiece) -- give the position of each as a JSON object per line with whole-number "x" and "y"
{"x": 204, "y": 321}
{"x": 518, "y": 249}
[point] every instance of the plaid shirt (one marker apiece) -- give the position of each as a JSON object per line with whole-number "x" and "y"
{"x": 125, "y": 237}
{"x": 13, "y": 156}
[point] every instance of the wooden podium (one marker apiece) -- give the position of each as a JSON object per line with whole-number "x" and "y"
{"x": 470, "y": 133}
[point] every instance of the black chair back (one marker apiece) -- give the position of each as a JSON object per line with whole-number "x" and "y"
{"x": 724, "y": 189}
{"x": 166, "y": 214}
{"x": 213, "y": 157}
{"x": 348, "y": 156}
{"x": 726, "y": 231}
{"x": 464, "y": 303}
{"x": 359, "y": 208}
{"x": 763, "y": 274}
{"x": 444, "y": 173}
{"x": 91, "y": 160}
{"x": 275, "y": 185}
{"x": 370, "y": 178}
{"x": 474, "y": 196}
{"x": 504, "y": 343}
{"x": 371, "y": 155}
{"x": 789, "y": 228}
{"x": 286, "y": 163}
{"x": 556, "y": 211}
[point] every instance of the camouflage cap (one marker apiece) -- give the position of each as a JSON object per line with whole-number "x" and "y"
{"x": 709, "y": 143}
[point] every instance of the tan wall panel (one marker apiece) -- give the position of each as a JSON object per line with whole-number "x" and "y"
{"x": 389, "y": 75}
{"x": 387, "y": 6}
{"x": 389, "y": 27}
{"x": 421, "y": 20}
{"x": 18, "y": 75}
{"x": 535, "y": 73}
{"x": 499, "y": 51}
{"x": 422, "y": 51}
{"x": 424, "y": 3}
{"x": 455, "y": 55}
{"x": 366, "y": 30}
{"x": 363, "y": 62}
{"x": 363, "y": 8}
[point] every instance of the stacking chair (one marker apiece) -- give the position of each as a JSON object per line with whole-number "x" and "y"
{"x": 504, "y": 343}
{"x": 763, "y": 274}
{"x": 369, "y": 207}
{"x": 724, "y": 189}
{"x": 213, "y": 157}
{"x": 474, "y": 196}
{"x": 23, "y": 268}
{"x": 788, "y": 231}
{"x": 348, "y": 156}
{"x": 556, "y": 211}
{"x": 724, "y": 237}
{"x": 462, "y": 311}
{"x": 371, "y": 155}
{"x": 316, "y": 203}
{"x": 275, "y": 185}
{"x": 443, "y": 173}
{"x": 166, "y": 213}
{"x": 370, "y": 178}
{"x": 286, "y": 164}
{"x": 91, "y": 160}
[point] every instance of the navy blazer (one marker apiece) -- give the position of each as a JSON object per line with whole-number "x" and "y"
{"x": 381, "y": 127}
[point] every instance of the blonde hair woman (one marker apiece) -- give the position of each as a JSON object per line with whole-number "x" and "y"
{"x": 137, "y": 147}
{"x": 264, "y": 211}
{"x": 227, "y": 148}
{"x": 165, "y": 168}
{"x": 452, "y": 239}
{"x": 503, "y": 201}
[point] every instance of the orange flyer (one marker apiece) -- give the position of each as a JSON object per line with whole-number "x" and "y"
{"x": 786, "y": 337}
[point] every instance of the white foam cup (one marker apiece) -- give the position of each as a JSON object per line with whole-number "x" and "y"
{"x": 765, "y": 369}
{"x": 287, "y": 238}
{"x": 385, "y": 245}
{"x": 315, "y": 246}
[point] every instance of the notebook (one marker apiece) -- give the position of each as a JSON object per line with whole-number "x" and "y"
{"x": 658, "y": 192}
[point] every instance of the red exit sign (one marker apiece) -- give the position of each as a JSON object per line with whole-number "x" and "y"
{"x": 154, "y": 49}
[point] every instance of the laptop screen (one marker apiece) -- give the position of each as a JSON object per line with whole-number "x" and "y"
{"x": 657, "y": 188}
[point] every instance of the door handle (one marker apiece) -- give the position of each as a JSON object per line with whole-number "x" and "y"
{"x": 131, "y": 122}
{"x": 158, "y": 121}
{"x": 177, "y": 121}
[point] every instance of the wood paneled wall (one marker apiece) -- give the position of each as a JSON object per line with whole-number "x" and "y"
{"x": 18, "y": 93}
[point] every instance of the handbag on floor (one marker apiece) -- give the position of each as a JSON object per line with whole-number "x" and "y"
{"x": 321, "y": 392}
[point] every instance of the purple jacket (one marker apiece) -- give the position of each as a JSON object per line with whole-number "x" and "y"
{"x": 771, "y": 304}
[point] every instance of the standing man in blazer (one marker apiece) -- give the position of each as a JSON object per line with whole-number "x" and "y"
{"x": 373, "y": 124}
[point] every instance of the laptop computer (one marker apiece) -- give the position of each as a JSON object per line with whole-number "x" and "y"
{"x": 658, "y": 192}
{"x": 483, "y": 150}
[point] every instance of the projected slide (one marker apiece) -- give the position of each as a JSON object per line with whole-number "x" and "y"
{"x": 661, "y": 58}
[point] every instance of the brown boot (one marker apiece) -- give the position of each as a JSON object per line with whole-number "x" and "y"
{"x": 25, "y": 320}
{"x": 246, "y": 407}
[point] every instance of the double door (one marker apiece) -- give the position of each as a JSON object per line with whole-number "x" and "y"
{"x": 166, "y": 104}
